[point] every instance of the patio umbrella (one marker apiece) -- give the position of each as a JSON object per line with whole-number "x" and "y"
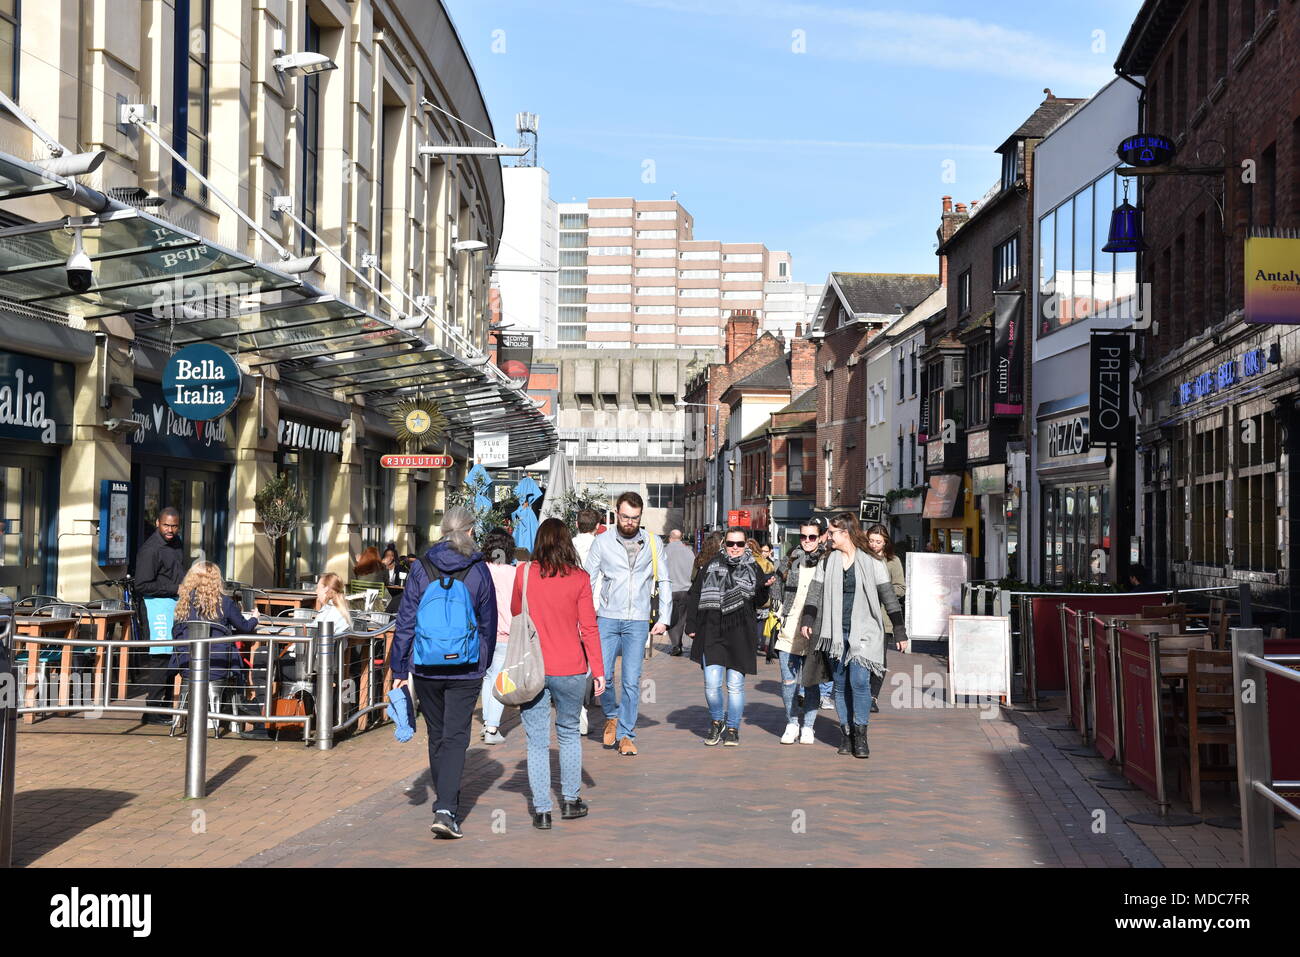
{"x": 559, "y": 485}
{"x": 525, "y": 519}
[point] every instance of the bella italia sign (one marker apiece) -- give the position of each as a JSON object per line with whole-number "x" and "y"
{"x": 201, "y": 383}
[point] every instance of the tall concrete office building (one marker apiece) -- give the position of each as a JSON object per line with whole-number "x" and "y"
{"x": 529, "y": 240}
{"x": 633, "y": 276}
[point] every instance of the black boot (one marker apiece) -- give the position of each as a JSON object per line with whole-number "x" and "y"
{"x": 846, "y": 740}
{"x": 715, "y": 733}
{"x": 860, "y": 749}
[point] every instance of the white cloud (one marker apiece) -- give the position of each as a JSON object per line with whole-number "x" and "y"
{"x": 931, "y": 41}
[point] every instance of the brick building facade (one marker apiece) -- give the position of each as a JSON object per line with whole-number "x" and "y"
{"x": 1219, "y": 430}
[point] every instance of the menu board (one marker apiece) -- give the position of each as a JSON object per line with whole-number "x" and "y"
{"x": 114, "y": 502}
{"x": 979, "y": 656}
{"x": 933, "y": 592}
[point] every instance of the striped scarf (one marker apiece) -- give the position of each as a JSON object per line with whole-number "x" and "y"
{"x": 729, "y": 583}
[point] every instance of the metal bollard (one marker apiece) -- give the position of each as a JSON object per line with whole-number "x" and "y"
{"x": 196, "y": 745}
{"x": 325, "y": 685}
{"x": 1253, "y": 758}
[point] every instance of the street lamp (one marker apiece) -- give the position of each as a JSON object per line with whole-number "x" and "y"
{"x": 304, "y": 63}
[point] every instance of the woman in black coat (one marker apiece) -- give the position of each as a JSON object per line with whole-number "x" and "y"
{"x": 720, "y": 621}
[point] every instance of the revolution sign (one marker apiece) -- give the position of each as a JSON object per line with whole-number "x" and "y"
{"x": 201, "y": 383}
{"x": 415, "y": 461}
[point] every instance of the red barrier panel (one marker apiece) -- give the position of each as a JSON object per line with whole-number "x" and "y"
{"x": 1140, "y": 707}
{"x": 1074, "y": 672}
{"x": 1103, "y": 690}
{"x": 1284, "y": 715}
{"x": 1049, "y": 668}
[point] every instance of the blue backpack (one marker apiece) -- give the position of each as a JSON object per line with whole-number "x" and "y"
{"x": 446, "y": 627}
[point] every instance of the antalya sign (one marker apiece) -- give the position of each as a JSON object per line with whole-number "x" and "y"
{"x": 1147, "y": 149}
{"x": 201, "y": 383}
{"x": 1272, "y": 280}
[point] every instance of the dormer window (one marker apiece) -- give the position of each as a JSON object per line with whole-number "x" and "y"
{"x": 1009, "y": 166}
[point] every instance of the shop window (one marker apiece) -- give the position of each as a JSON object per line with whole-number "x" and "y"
{"x": 978, "y": 383}
{"x": 794, "y": 465}
{"x": 308, "y": 120}
{"x": 1255, "y": 494}
{"x": 1202, "y": 463}
{"x": 10, "y": 17}
{"x": 663, "y": 496}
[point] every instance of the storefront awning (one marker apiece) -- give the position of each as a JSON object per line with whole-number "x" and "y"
{"x": 184, "y": 289}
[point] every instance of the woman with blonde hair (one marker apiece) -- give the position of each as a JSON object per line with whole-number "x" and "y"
{"x": 200, "y": 598}
{"x": 331, "y": 602}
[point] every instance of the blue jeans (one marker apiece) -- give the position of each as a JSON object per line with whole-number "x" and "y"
{"x": 852, "y": 692}
{"x": 627, "y": 638}
{"x": 566, "y": 692}
{"x": 826, "y": 688}
{"x": 790, "y": 665}
{"x": 731, "y": 709}
{"x": 492, "y": 708}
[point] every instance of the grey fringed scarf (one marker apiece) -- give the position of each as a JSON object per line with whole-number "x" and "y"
{"x": 866, "y": 644}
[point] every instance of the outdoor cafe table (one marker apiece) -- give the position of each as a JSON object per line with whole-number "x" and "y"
{"x": 43, "y": 626}
{"x": 285, "y": 598}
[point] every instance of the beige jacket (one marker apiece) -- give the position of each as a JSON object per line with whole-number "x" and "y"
{"x": 791, "y": 623}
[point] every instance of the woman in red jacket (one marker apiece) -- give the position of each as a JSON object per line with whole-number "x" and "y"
{"x": 561, "y": 609}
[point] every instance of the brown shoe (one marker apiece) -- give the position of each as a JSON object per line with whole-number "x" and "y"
{"x": 626, "y": 746}
{"x": 611, "y": 731}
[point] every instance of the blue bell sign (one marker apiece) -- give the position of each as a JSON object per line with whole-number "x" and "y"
{"x": 1147, "y": 149}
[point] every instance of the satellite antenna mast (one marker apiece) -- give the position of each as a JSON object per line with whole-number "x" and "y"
{"x": 526, "y": 125}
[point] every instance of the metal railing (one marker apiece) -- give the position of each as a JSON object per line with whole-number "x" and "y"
{"x": 1258, "y": 792}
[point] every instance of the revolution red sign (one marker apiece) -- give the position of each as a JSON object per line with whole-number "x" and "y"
{"x": 415, "y": 461}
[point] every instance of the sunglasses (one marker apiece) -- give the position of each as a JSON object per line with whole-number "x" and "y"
{"x": 809, "y": 538}
{"x": 735, "y": 544}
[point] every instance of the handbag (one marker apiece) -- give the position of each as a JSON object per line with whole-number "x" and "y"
{"x": 523, "y": 675}
{"x": 815, "y": 670}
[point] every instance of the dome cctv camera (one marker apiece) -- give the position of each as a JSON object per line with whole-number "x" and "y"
{"x": 81, "y": 271}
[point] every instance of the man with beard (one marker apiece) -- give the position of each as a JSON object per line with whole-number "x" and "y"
{"x": 625, "y": 568}
{"x": 159, "y": 569}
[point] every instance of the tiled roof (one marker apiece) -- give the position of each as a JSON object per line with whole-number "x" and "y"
{"x": 1050, "y": 112}
{"x": 883, "y": 294}
{"x": 775, "y": 376}
{"x": 807, "y": 402}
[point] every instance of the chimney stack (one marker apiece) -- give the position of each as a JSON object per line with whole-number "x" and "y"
{"x": 741, "y": 333}
{"x": 798, "y": 330}
{"x": 803, "y": 366}
{"x": 947, "y": 204}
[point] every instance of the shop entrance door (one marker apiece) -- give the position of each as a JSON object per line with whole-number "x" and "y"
{"x": 27, "y": 487}
{"x": 199, "y": 496}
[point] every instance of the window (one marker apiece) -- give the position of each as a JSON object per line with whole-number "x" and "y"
{"x": 654, "y": 310}
{"x": 609, "y": 327}
{"x": 661, "y": 272}
{"x": 742, "y": 294}
{"x": 572, "y": 294}
{"x": 657, "y": 253}
{"x": 709, "y": 311}
{"x": 742, "y": 277}
{"x": 577, "y": 258}
{"x": 573, "y": 277}
{"x": 609, "y": 307}
{"x": 1247, "y": 20}
{"x": 794, "y": 465}
{"x": 911, "y": 456}
{"x": 573, "y": 220}
{"x": 309, "y": 144}
{"x": 608, "y": 289}
{"x": 610, "y": 231}
{"x": 913, "y": 393}
{"x": 963, "y": 293}
{"x": 978, "y": 383}
{"x": 611, "y": 250}
{"x": 573, "y": 314}
{"x": 622, "y": 269}
{"x": 613, "y": 212}
{"x": 1009, "y": 166}
{"x": 934, "y": 408}
{"x": 1076, "y": 526}
{"x": 656, "y": 290}
{"x": 1255, "y": 494}
{"x": 10, "y": 42}
{"x": 656, "y": 214}
{"x": 743, "y": 258}
{"x": 651, "y": 329}
{"x": 1207, "y": 476}
{"x": 902, "y": 375}
{"x": 900, "y": 461}
{"x": 376, "y": 492}
{"x": 656, "y": 234}
{"x": 573, "y": 240}
{"x": 699, "y": 274}
{"x": 698, "y": 293}
{"x": 573, "y": 333}
{"x": 692, "y": 255}
{"x": 663, "y": 496}
{"x": 191, "y": 100}
{"x": 1006, "y": 262}
{"x": 783, "y": 270}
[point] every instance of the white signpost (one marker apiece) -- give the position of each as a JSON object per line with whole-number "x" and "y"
{"x": 492, "y": 449}
{"x": 979, "y": 656}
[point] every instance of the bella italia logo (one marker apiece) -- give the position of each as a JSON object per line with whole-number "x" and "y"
{"x": 201, "y": 383}
{"x": 23, "y": 406}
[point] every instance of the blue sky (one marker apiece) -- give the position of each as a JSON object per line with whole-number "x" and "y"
{"x": 839, "y": 153}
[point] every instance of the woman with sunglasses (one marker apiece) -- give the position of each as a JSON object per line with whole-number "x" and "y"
{"x": 720, "y": 611}
{"x": 796, "y": 572}
{"x": 882, "y": 548}
{"x": 844, "y": 617}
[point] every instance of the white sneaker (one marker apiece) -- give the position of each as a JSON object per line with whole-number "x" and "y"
{"x": 806, "y": 736}
{"x": 828, "y": 704}
{"x": 791, "y": 732}
{"x": 493, "y": 736}
{"x": 582, "y": 721}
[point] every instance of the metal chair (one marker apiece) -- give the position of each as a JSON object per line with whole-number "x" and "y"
{"x": 217, "y": 690}
{"x": 33, "y": 603}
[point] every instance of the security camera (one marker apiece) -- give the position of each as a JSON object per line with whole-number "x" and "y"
{"x": 81, "y": 271}
{"x": 120, "y": 426}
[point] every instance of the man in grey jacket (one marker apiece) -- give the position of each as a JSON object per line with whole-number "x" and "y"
{"x": 680, "y": 559}
{"x": 626, "y": 566}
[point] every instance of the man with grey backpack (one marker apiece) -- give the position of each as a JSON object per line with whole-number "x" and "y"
{"x": 445, "y": 638}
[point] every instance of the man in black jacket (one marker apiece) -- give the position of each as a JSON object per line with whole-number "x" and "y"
{"x": 159, "y": 569}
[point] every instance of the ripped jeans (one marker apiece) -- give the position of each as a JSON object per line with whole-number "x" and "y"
{"x": 790, "y": 690}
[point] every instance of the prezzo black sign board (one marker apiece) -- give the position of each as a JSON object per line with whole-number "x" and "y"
{"x": 1108, "y": 385}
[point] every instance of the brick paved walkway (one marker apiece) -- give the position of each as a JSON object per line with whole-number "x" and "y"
{"x": 943, "y": 787}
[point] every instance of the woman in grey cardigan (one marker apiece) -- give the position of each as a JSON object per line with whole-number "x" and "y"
{"x": 844, "y": 615}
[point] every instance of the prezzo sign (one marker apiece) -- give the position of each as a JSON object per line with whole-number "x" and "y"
{"x": 309, "y": 438}
{"x": 201, "y": 382}
{"x": 1108, "y": 386}
{"x": 35, "y": 399}
{"x": 1066, "y": 437}
{"x": 1222, "y": 376}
